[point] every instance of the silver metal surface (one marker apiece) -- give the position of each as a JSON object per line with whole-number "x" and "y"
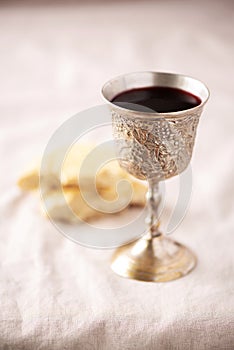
{"x": 154, "y": 145}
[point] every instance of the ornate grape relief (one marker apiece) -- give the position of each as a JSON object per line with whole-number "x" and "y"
{"x": 154, "y": 148}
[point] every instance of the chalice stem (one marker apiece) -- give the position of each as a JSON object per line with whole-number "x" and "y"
{"x": 153, "y": 257}
{"x": 153, "y": 199}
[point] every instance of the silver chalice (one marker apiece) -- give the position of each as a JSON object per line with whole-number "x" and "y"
{"x": 154, "y": 146}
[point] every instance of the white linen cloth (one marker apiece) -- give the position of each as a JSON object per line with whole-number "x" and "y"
{"x": 55, "y": 294}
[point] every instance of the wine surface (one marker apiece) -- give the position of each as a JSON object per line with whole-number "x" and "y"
{"x": 156, "y": 99}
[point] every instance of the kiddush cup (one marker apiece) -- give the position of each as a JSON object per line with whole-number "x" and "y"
{"x": 154, "y": 146}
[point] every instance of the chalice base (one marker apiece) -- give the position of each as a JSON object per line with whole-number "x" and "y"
{"x": 157, "y": 259}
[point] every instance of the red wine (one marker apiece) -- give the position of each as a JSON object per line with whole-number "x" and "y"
{"x": 156, "y": 99}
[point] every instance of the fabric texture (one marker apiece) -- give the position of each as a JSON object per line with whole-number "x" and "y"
{"x": 55, "y": 294}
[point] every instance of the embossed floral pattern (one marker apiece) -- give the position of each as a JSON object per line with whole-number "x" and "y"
{"x": 155, "y": 147}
